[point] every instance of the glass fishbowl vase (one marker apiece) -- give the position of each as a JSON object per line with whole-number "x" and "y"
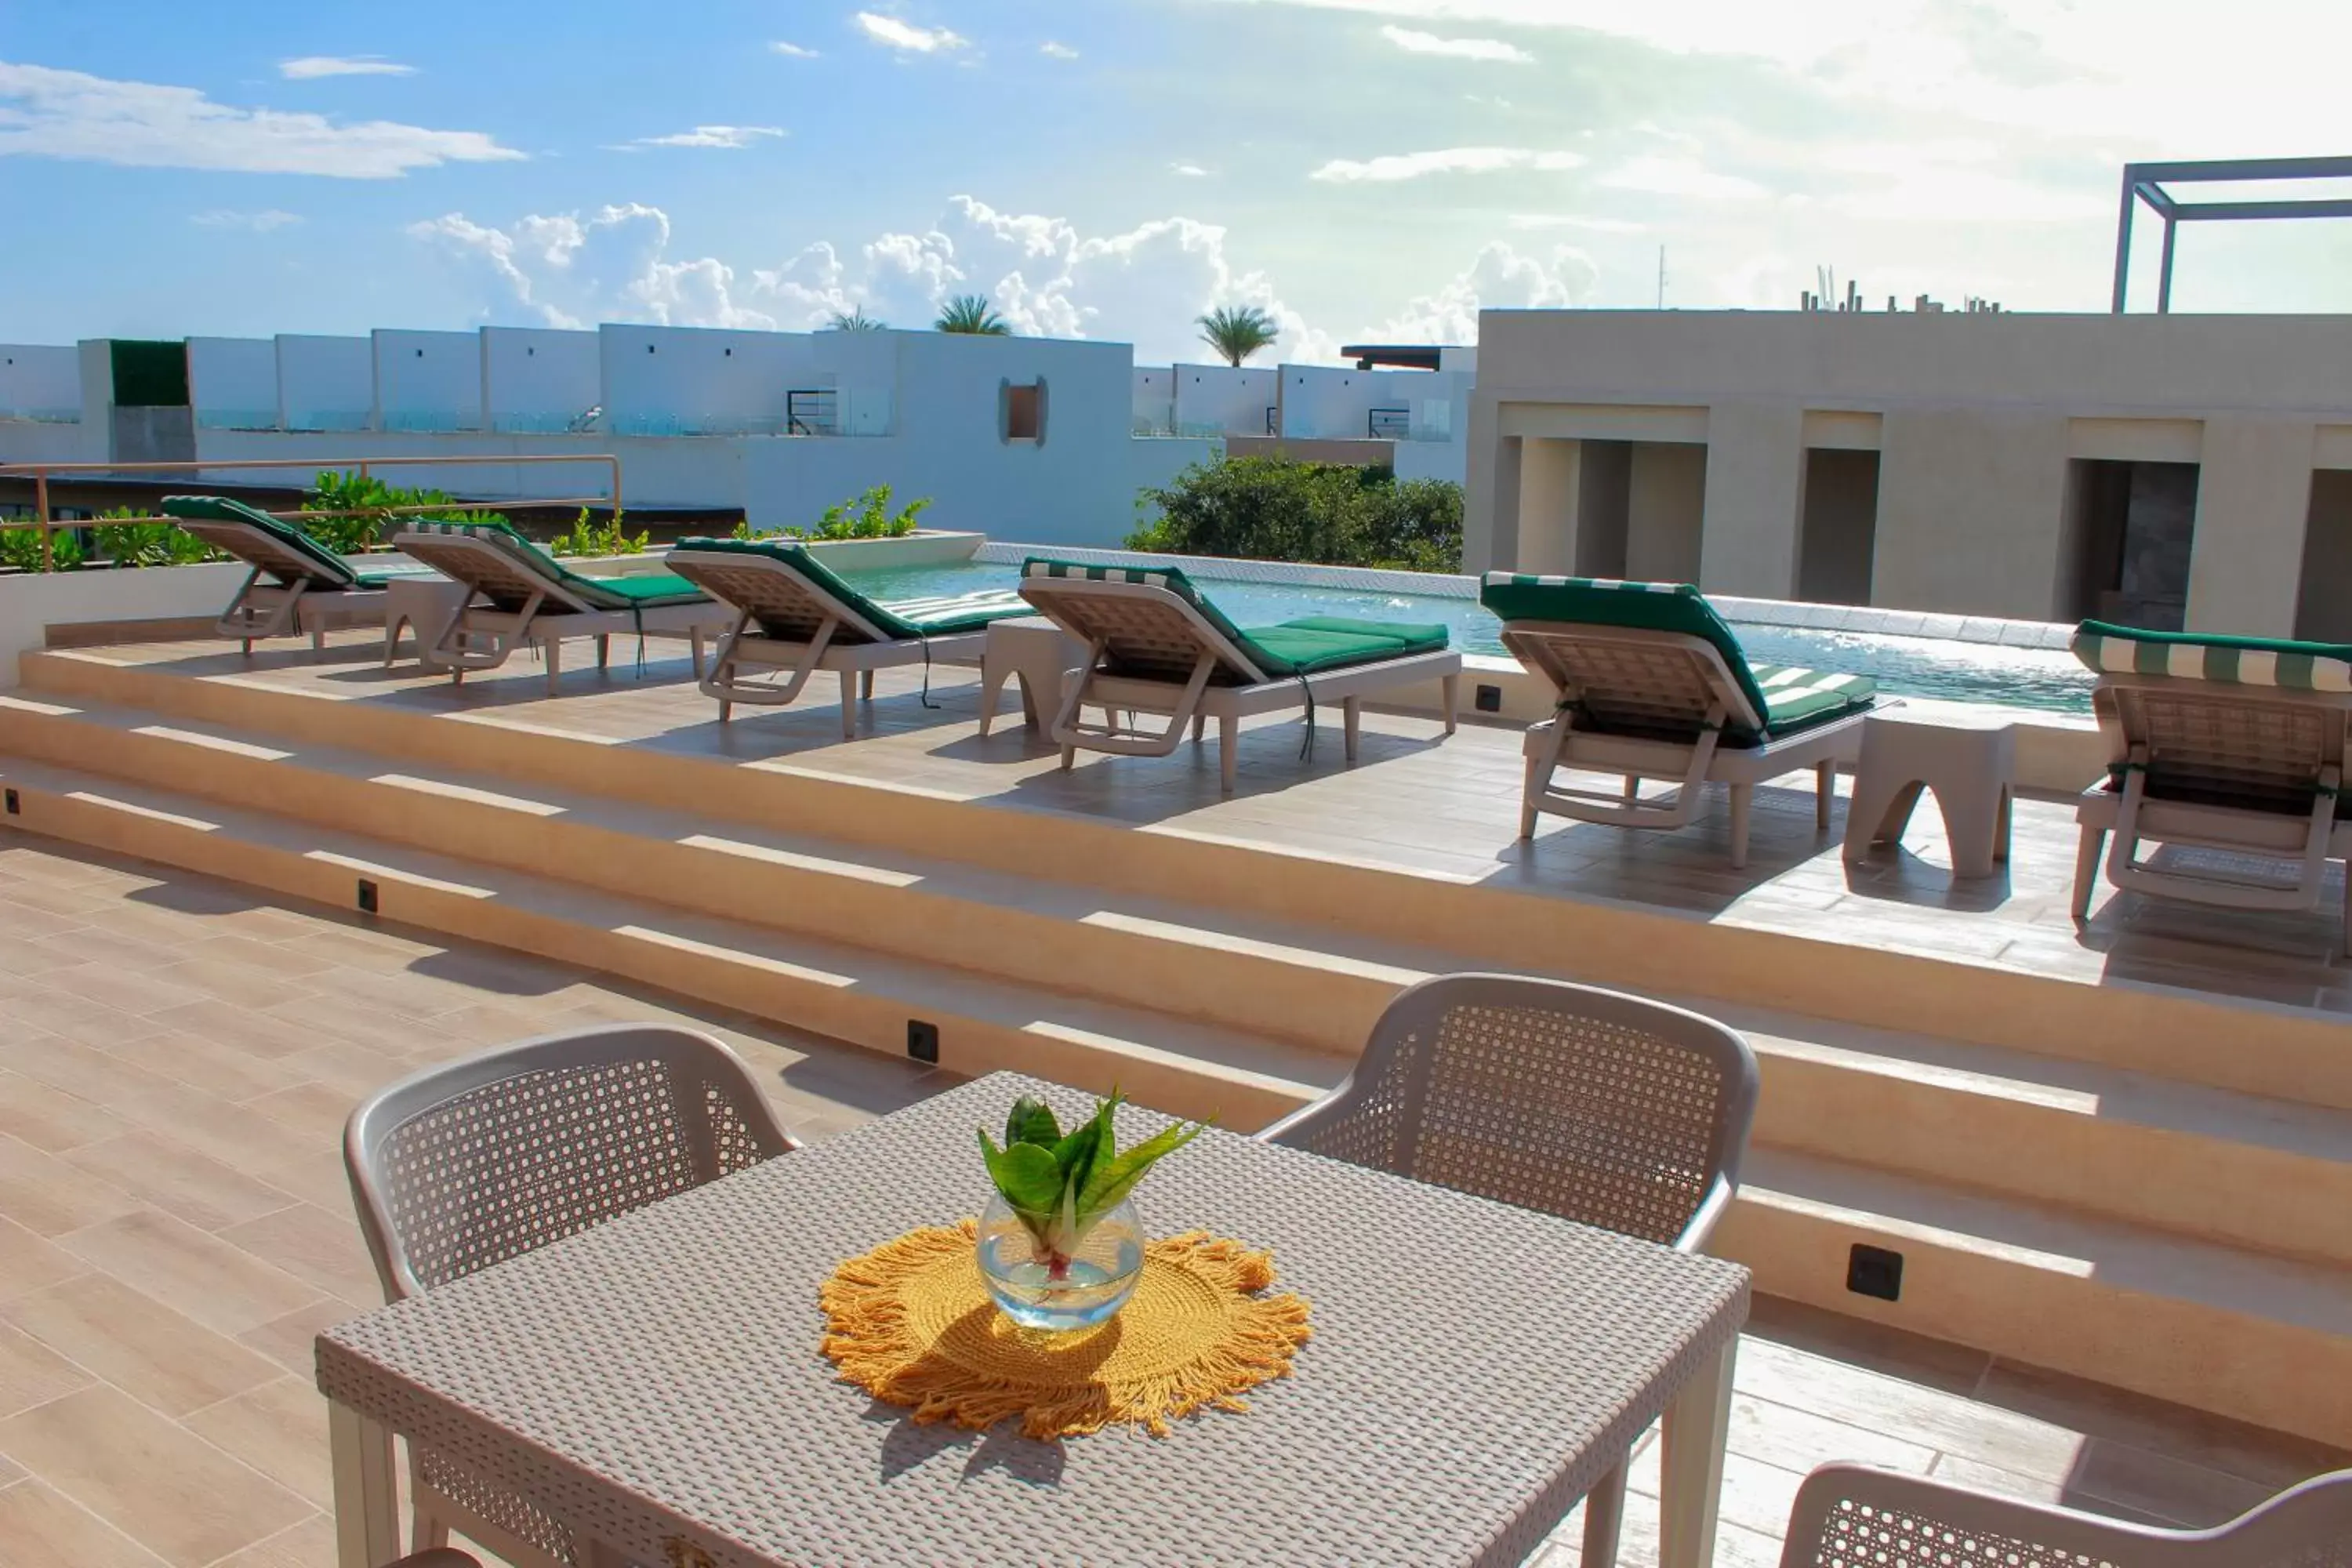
{"x": 1039, "y": 1290}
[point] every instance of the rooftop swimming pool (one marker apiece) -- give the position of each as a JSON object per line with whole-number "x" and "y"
{"x": 1946, "y": 668}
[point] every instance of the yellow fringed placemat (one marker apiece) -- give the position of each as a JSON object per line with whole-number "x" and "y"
{"x": 912, "y": 1324}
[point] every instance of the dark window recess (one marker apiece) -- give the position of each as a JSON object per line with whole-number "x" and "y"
{"x": 1874, "y": 1271}
{"x": 370, "y": 902}
{"x": 923, "y": 1041}
{"x": 149, "y": 374}
{"x": 1024, "y": 411}
{"x": 16, "y": 807}
{"x": 1487, "y": 699}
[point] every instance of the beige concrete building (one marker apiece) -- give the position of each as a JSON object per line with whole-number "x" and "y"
{"x": 2165, "y": 470}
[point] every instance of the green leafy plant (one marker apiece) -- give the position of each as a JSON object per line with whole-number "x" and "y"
{"x": 21, "y": 548}
{"x": 1274, "y": 508}
{"x": 1237, "y": 332}
{"x": 969, "y": 315}
{"x": 352, "y": 511}
{"x": 127, "y": 543}
{"x": 854, "y": 321}
{"x": 1061, "y": 1184}
{"x": 590, "y": 538}
{"x": 867, "y": 515}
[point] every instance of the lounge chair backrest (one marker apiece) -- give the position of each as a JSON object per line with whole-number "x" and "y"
{"x": 473, "y": 1162}
{"x": 1604, "y": 1107}
{"x": 260, "y": 540}
{"x": 1152, "y": 623}
{"x": 782, "y": 587}
{"x": 1856, "y": 1514}
{"x": 1650, "y": 656}
{"x": 508, "y": 569}
{"x": 2253, "y": 722}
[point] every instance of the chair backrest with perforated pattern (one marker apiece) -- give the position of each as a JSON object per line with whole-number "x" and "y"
{"x": 1590, "y": 1104}
{"x": 474, "y": 1161}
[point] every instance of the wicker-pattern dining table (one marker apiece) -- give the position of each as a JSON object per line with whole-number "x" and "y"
{"x": 655, "y": 1382}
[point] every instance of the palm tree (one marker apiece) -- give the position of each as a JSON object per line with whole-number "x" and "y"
{"x": 970, "y": 314}
{"x": 854, "y": 320}
{"x": 1237, "y": 332}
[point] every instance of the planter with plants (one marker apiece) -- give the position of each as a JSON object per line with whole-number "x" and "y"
{"x": 1060, "y": 1246}
{"x": 868, "y": 533}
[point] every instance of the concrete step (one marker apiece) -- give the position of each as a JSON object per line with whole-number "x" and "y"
{"x": 846, "y": 992}
{"x": 2248, "y": 1335}
{"x": 2208, "y": 1162}
{"x": 1467, "y": 922}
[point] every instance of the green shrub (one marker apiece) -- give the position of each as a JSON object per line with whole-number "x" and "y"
{"x": 21, "y": 548}
{"x": 148, "y": 543}
{"x": 1274, "y": 509}
{"x": 590, "y": 537}
{"x": 864, "y": 516}
{"x": 353, "y": 512}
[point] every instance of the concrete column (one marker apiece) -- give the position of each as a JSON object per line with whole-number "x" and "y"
{"x": 1548, "y": 496}
{"x": 1665, "y": 503}
{"x": 1490, "y": 491}
{"x": 2253, "y": 500}
{"x": 1971, "y": 507}
{"x": 1755, "y": 499}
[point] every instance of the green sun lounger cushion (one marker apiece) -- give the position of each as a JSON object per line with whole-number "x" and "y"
{"x": 902, "y": 621}
{"x": 324, "y": 568}
{"x": 2200, "y": 656}
{"x": 1309, "y": 646}
{"x": 644, "y": 591}
{"x": 1789, "y": 698}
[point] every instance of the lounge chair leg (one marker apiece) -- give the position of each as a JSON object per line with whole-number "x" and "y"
{"x": 1229, "y": 749}
{"x": 866, "y": 685}
{"x": 848, "y": 704}
{"x": 1200, "y": 727}
{"x": 554, "y": 663}
{"x": 1351, "y": 716}
{"x": 428, "y": 1532}
{"x": 725, "y": 710}
{"x": 1453, "y": 685}
{"x": 1604, "y": 1511}
{"x": 2087, "y": 869}
{"x": 1633, "y": 790}
{"x": 1743, "y": 796}
{"x": 604, "y": 652}
{"x": 1824, "y": 791}
{"x": 1069, "y": 758}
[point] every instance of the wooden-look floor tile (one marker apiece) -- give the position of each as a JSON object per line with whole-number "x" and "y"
{"x": 29, "y": 1262}
{"x": 279, "y": 1429}
{"x": 257, "y": 1033}
{"x": 325, "y": 1250}
{"x": 140, "y": 992}
{"x": 160, "y": 1356}
{"x": 32, "y": 1373}
{"x": 219, "y": 1284}
{"x": 72, "y": 1015}
{"x": 1798, "y": 1440}
{"x": 173, "y": 1492}
{"x": 40, "y": 1527}
{"x": 310, "y": 1544}
{"x": 40, "y": 1191}
{"x": 2273, "y": 1461}
{"x": 291, "y": 1341}
{"x": 165, "y": 1172}
{"x": 224, "y": 1072}
{"x": 48, "y": 1117}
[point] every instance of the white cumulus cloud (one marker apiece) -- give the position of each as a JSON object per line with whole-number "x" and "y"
{"x": 1681, "y": 178}
{"x": 905, "y": 36}
{"x": 791, "y": 50}
{"x": 728, "y": 136}
{"x": 1443, "y": 161}
{"x": 306, "y": 67}
{"x": 50, "y": 113}
{"x": 1190, "y": 171}
{"x": 1492, "y": 50}
{"x": 1053, "y": 50}
{"x": 260, "y": 222}
{"x": 1500, "y": 278}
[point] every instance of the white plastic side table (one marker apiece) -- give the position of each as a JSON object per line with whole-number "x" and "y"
{"x": 1034, "y": 648}
{"x": 1969, "y": 763}
{"x": 426, "y": 605}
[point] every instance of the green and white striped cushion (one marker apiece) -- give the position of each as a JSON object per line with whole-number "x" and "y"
{"x": 644, "y": 591}
{"x": 2238, "y": 661}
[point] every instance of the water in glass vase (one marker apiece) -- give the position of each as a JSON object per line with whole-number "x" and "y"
{"x": 1038, "y": 1290}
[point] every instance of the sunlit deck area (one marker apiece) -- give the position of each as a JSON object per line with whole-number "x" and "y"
{"x": 2114, "y": 1159}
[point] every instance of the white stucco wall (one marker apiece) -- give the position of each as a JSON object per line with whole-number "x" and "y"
{"x": 428, "y": 381}
{"x": 1224, "y": 400}
{"x": 233, "y": 383}
{"x": 40, "y": 380}
{"x": 1154, "y": 400}
{"x": 1977, "y": 418}
{"x": 539, "y": 379}
{"x": 325, "y": 383}
{"x": 690, "y": 381}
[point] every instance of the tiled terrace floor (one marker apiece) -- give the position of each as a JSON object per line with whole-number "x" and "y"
{"x": 1442, "y": 807}
{"x": 176, "y": 1060}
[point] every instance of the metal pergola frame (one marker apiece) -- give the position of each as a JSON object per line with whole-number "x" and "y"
{"x": 2145, "y": 182}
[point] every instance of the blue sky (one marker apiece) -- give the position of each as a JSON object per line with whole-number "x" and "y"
{"x": 1109, "y": 169}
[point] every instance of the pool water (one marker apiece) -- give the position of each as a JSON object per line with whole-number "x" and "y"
{"x": 1905, "y": 666}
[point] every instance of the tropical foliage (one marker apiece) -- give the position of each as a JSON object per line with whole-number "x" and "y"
{"x": 1060, "y": 1185}
{"x": 864, "y": 516}
{"x": 1237, "y": 332}
{"x": 971, "y": 315}
{"x": 854, "y": 320}
{"x": 126, "y": 544}
{"x": 1274, "y": 509}
{"x": 588, "y": 537}
{"x": 20, "y": 549}
{"x": 350, "y": 514}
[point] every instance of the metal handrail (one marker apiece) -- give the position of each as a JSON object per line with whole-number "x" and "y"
{"x": 823, "y": 417}
{"x": 1399, "y": 422}
{"x": 40, "y": 473}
